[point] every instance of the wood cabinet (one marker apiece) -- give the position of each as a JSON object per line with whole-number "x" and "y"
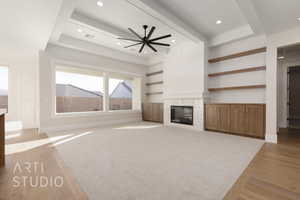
{"x": 153, "y": 112}
{"x": 2, "y": 139}
{"x": 217, "y": 117}
{"x": 147, "y": 112}
{"x": 211, "y": 115}
{"x": 240, "y": 119}
{"x": 223, "y": 121}
{"x": 237, "y": 118}
{"x": 255, "y": 121}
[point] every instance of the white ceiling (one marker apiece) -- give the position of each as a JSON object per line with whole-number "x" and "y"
{"x": 27, "y": 23}
{"x": 278, "y": 15}
{"x": 186, "y": 20}
{"x": 202, "y": 15}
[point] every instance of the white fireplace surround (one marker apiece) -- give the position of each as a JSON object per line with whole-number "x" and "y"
{"x": 198, "y": 111}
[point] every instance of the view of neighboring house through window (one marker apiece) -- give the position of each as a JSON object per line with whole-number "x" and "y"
{"x": 78, "y": 91}
{"x": 4, "y": 88}
{"x": 120, "y": 94}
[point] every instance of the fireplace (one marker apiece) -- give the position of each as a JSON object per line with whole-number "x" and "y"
{"x": 182, "y": 114}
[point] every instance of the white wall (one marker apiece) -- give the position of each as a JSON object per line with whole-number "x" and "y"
{"x": 54, "y": 54}
{"x": 240, "y": 79}
{"x": 25, "y": 29}
{"x": 158, "y": 98}
{"x": 184, "y": 71}
{"x": 22, "y": 85}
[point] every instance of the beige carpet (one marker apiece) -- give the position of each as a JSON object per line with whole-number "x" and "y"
{"x": 146, "y": 161}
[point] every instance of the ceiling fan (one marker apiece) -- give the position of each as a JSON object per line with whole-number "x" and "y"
{"x": 146, "y": 39}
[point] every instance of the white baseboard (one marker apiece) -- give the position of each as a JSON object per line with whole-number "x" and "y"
{"x": 271, "y": 138}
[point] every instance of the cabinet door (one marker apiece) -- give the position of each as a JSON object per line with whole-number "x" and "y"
{"x": 255, "y": 120}
{"x": 147, "y": 112}
{"x": 223, "y": 117}
{"x": 237, "y": 118}
{"x": 2, "y": 140}
{"x": 155, "y": 112}
{"x": 161, "y": 112}
{"x": 211, "y": 117}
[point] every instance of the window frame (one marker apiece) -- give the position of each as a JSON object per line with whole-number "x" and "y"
{"x": 78, "y": 71}
{"x": 106, "y": 75}
{"x": 8, "y": 87}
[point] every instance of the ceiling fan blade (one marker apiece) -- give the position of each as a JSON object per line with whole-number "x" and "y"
{"x": 161, "y": 44}
{"x": 133, "y": 45}
{"x": 149, "y": 45}
{"x": 150, "y": 33}
{"x": 161, "y": 37}
{"x": 137, "y": 35}
{"x": 141, "y": 49}
{"x": 133, "y": 40}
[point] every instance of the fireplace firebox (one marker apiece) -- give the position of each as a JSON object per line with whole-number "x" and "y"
{"x": 182, "y": 114}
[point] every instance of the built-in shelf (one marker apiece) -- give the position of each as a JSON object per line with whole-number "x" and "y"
{"x": 155, "y": 73}
{"x": 236, "y": 88}
{"x": 237, "y": 55}
{"x": 252, "y": 69}
{"x": 155, "y": 83}
{"x": 153, "y": 93}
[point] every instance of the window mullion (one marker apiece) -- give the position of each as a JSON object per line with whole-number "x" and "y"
{"x": 106, "y": 93}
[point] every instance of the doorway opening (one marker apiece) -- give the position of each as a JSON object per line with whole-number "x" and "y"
{"x": 288, "y": 98}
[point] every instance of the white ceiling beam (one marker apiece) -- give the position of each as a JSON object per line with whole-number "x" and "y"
{"x": 167, "y": 18}
{"x": 98, "y": 25}
{"x": 82, "y": 45}
{"x": 232, "y": 35}
{"x": 249, "y": 11}
{"x": 65, "y": 12}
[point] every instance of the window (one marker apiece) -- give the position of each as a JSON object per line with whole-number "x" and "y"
{"x": 120, "y": 94}
{"x": 4, "y": 88}
{"x": 78, "y": 90}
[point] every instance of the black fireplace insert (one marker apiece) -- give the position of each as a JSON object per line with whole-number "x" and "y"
{"x": 182, "y": 114}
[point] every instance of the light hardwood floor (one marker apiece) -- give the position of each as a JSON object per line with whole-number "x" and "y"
{"x": 42, "y": 154}
{"x": 274, "y": 174}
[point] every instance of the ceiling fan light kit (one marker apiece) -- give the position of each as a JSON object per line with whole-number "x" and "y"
{"x": 146, "y": 40}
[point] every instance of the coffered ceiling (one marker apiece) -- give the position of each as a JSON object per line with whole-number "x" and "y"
{"x": 203, "y": 15}
{"x": 84, "y": 25}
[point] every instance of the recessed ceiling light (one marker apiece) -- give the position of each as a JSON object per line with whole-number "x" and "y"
{"x": 219, "y": 22}
{"x": 281, "y": 57}
{"x": 299, "y": 18}
{"x": 173, "y": 41}
{"x": 119, "y": 43}
{"x": 79, "y": 30}
{"x": 100, "y": 3}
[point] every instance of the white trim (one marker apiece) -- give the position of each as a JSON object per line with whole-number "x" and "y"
{"x": 271, "y": 138}
{"x": 56, "y": 61}
{"x": 8, "y": 90}
{"x": 94, "y": 113}
{"x": 55, "y": 115}
{"x": 89, "y": 125}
